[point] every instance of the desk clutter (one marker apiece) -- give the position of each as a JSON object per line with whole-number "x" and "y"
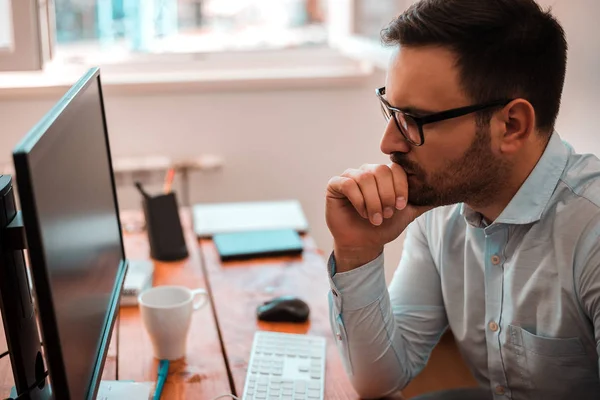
{"x": 216, "y": 218}
{"x": 138, "y": 279}
{"x": 163, "y": 224}
{"x": 261, "y": 243}
{"x": 252, "y": 229}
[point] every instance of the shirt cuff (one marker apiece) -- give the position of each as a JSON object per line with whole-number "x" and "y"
{"x": 358, "y": 288}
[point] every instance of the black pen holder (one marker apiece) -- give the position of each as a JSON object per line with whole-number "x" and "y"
{"x": 165, "y": 234}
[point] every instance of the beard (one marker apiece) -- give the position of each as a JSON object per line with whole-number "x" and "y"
{"x": 472, "y": 179}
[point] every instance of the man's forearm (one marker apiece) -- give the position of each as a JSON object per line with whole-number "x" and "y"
{"x": 375, "y": 369}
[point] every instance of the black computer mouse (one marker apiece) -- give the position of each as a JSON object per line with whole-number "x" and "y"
{"x": 283, "y": 309}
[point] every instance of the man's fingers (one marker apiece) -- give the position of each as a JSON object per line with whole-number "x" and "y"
{"x": 375, "y": 191}
{"x": 385, "y": 187}
{"x": 342, "y": 187}
{"x": 368, "y": 187}
{"x": 400, "y": 186}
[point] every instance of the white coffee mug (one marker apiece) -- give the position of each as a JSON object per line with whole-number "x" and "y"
{"x": 167, "y": 313}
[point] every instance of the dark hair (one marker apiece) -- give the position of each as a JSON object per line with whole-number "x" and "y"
{"x": 504, "y": 48}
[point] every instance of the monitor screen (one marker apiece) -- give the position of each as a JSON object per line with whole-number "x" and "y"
{"x": 70, "y": 211}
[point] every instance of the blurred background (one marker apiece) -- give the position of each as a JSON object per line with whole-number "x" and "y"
{"x": 258, "y": 99}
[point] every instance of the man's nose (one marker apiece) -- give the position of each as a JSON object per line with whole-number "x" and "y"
{"x": 393, "y": 141}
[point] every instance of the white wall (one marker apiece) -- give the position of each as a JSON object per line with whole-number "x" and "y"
{"x": 287, "y": 144}
{"x": 579, "y": 119}
{"x": 276, "y": 144}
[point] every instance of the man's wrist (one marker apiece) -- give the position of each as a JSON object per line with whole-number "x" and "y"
{"x": 349, "y": 258}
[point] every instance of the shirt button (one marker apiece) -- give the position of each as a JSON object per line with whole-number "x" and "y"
{"x": 495, "y": 259}
{"x": 500, "y": 390}
{"x": 339, "y": 336}
{"x": 493, "y": 326}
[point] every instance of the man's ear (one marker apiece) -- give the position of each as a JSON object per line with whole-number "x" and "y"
{"x": 518, "y": 120}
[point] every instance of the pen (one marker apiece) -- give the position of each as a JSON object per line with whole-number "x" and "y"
{"x": 140, "y": 188}
{"x": 163, "y": 371}
{"x": 169, "y": 179}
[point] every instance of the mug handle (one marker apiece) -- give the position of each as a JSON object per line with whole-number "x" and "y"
{"x": 202, "y": 302}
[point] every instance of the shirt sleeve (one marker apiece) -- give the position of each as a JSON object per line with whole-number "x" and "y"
{"x": 589, "y": 280}
{"x": 385, "y": 336}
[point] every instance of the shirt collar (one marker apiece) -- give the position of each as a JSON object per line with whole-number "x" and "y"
{"x": 531, "y": 199}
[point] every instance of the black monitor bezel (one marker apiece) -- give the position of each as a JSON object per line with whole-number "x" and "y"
{"x": 39, "y": 274}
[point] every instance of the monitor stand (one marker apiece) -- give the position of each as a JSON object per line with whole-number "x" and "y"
{"x": 118, "y": 390}
{"x": 16, "y": 303}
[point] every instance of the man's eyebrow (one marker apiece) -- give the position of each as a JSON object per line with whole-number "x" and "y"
{"x": 415, "y": 111}
{"x": 412, "y": 110}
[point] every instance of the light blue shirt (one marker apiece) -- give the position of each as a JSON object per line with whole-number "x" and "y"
{"x": 521, "y": 296}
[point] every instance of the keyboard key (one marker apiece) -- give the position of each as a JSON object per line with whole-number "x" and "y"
{"x": 303, "y": 369}
{"x": 300, "y": 387}
{"x": 314, "y": 385}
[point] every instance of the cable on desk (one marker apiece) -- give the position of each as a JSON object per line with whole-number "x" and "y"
{"x": 28, "y": 392}
{"x": 226, "y": 395}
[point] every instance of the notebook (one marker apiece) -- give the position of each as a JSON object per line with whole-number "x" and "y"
{"x": 213, "y": 218}
{"x": 264, "y": 243}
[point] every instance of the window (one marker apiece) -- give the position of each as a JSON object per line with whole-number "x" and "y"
{"x": 6, "y": 28}
{"x": 23, "y": 34}
{"x": 372, "y": 16}
{"x": 107, "y": 31}
{"x": 355, "y": 27}
{"x": 133, "y": 32}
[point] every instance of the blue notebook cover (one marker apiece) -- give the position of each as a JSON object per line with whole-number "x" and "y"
{"x": 243, "y": 245}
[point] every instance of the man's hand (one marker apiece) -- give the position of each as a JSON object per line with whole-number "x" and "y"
{"x": 367, "y": 208}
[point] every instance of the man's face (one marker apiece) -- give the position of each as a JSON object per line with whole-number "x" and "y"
{"x": 456, "y": 162}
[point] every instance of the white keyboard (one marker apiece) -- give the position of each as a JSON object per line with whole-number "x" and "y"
{"x": 286, "y": 366}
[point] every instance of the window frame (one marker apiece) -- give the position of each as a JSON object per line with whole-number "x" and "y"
{"x": 357, "y": 58}
{"x": 343, "y": 37}
{"x": 31, "y": 38}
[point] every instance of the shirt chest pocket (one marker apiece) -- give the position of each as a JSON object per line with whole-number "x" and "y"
{"x": 552, "y": 367}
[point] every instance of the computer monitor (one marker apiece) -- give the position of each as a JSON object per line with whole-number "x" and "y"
{"x": 70, "y": 212}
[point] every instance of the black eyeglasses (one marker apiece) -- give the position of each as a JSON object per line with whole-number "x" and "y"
{"x": 411, "y": 126}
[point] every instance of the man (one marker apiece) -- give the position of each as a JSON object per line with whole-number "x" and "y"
{"x": 502, "y": 218}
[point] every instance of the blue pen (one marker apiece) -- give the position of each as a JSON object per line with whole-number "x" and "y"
{"x": 163, "y": 371}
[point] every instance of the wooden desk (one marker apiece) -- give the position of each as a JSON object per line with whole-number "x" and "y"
{"x": 212, "y": 369}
